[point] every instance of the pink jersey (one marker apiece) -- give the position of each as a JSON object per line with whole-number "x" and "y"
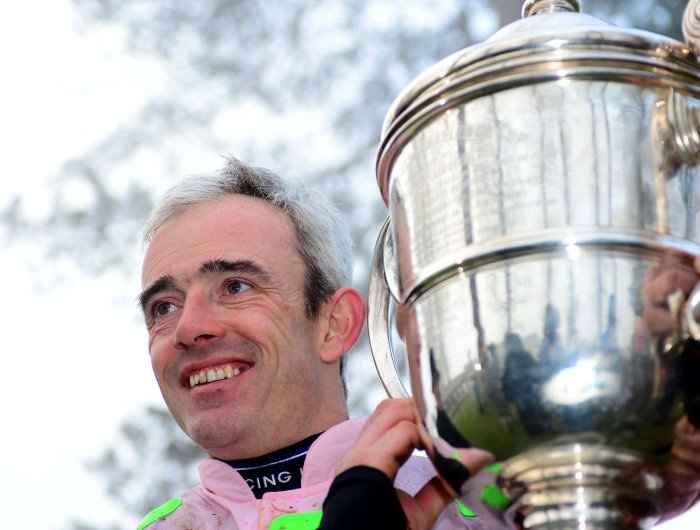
{"x": 223, "y": 500}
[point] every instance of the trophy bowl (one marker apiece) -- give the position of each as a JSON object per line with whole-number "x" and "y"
{"x": 540, "y": 249}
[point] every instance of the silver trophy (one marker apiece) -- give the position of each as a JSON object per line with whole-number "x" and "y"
{"x": 544, "y": 198}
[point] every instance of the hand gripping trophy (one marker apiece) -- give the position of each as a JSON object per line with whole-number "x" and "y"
{"x": 541, "y": 253}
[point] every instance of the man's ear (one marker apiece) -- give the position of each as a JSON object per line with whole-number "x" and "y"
{"x": 344, "y": 315}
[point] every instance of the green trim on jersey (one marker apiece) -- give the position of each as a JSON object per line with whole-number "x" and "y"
{"x": 494, "y": 468}
{"x": 492, "y": 496}
{"x": 297, "y": 521}
{"x": 464, "y": 510}
{"x": 159, "y": 513}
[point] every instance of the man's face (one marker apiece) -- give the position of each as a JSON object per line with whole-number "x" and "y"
{"x": 224, "y": 299}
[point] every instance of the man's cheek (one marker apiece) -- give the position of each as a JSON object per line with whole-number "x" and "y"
{"x": 161, "y": 368}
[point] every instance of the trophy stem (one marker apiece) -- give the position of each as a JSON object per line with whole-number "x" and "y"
{"x": 580, "y": 486}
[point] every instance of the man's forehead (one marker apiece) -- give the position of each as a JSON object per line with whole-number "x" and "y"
{"x": 233, "y": 228}
{"x": 215, "y": 266}
{"x": 185, "y": 267}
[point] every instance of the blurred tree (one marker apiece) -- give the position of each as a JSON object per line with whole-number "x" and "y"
{"x": 301, "y": 87}
{"x": 151, "y": 457}
{"x": 150, "y": 461}
{"x": 310, "y": 84}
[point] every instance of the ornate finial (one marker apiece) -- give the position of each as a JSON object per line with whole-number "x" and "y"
{"x": 537, "y": 7}
{"x": 691, "y": 24}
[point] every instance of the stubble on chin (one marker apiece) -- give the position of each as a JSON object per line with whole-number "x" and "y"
{"x": 214, "y": 435}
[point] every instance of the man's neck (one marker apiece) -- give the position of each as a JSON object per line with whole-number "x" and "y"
{"x": 279, "y": 470}
{"x": 254, "y": 445}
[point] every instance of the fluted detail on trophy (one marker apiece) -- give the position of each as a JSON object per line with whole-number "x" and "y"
{"x": 691, "y": 24}
{"x": 537, "y": 7}
{"x": 582, "y": 486}
{"x": 684, "y": 118}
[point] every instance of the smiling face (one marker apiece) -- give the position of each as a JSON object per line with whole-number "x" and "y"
{"x": 242, "y": 368}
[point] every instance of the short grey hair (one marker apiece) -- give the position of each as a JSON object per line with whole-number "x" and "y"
{"x": 323, "y": 238}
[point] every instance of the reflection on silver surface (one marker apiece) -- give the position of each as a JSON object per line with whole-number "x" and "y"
{"x": 543, "y": 346}
{"x": 586, "y": 380}
{"x": 518, "y": 164}
{"x": 541, "y": 352}
{"x": 543, "y": 195}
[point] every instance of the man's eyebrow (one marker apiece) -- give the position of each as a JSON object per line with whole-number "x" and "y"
{"x": 164, "y": 283}
{"x": 167, "y": 282}
{"x": 221, "y": 265}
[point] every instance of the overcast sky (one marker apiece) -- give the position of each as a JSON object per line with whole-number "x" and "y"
{"x": 74, "y": 348}
{"x": 76, "y": 351}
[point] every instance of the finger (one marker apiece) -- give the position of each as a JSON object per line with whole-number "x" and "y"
{"x": 387, "y": 414}
{"x": 684, "y": 466}
{"x": 426, "y": 442}
{"x": 388, "y": 452}
{"x": 393, "y": 448}
{"x": 657, "y": 319}
{"x": 686, "y": 450}
{"x": 666, "y": 282}
{"x": 686, "y": 430}
{"x": 682, "y": 478}
{"x": 473, "y": 459}
{"x": 686, "y": 461}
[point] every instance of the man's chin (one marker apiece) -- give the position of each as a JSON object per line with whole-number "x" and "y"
{"x": 212, "y": 436}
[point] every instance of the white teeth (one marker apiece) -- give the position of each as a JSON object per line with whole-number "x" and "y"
{"x": 214, "y": 374}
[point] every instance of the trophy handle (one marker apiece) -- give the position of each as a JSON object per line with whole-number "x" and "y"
{"x": 692, "y": 313}
{"x": 691, "y": 24}
{"x": 378, "y": 300}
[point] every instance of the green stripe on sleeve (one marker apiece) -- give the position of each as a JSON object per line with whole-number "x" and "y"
{"x": 297, "y": 521}
{"x": 492, "y": 496}
{"x": 162, "y": 511}
{"x": 464, "y": 510}
{"x": 494, "y": 468}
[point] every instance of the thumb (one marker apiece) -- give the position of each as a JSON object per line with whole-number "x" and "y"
{"x": 434, "y": 496}
{"x": 430, "y": 501}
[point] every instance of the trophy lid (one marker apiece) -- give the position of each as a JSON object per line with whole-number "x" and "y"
{"x": 552, "y": 41}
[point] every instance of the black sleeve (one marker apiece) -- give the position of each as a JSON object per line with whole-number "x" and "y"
{"x": 363, "y": 498}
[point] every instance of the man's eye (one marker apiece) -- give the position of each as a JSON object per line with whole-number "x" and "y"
{"x": 236, "y": 286}
{"x": 161, "y": 309}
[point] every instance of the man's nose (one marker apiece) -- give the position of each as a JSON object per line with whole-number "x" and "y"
{"x": 198, "y": 323}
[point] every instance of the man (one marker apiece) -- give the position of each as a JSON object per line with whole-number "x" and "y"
{"x": 248, "y": 307}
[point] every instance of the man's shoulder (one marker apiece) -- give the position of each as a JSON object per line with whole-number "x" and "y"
{"x": 190, "y": 510}
{"x": 160, "y": 513}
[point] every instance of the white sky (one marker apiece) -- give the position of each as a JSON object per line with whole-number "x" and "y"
{"x": 75, "y": 362}
{"x": 75, "y": 352}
